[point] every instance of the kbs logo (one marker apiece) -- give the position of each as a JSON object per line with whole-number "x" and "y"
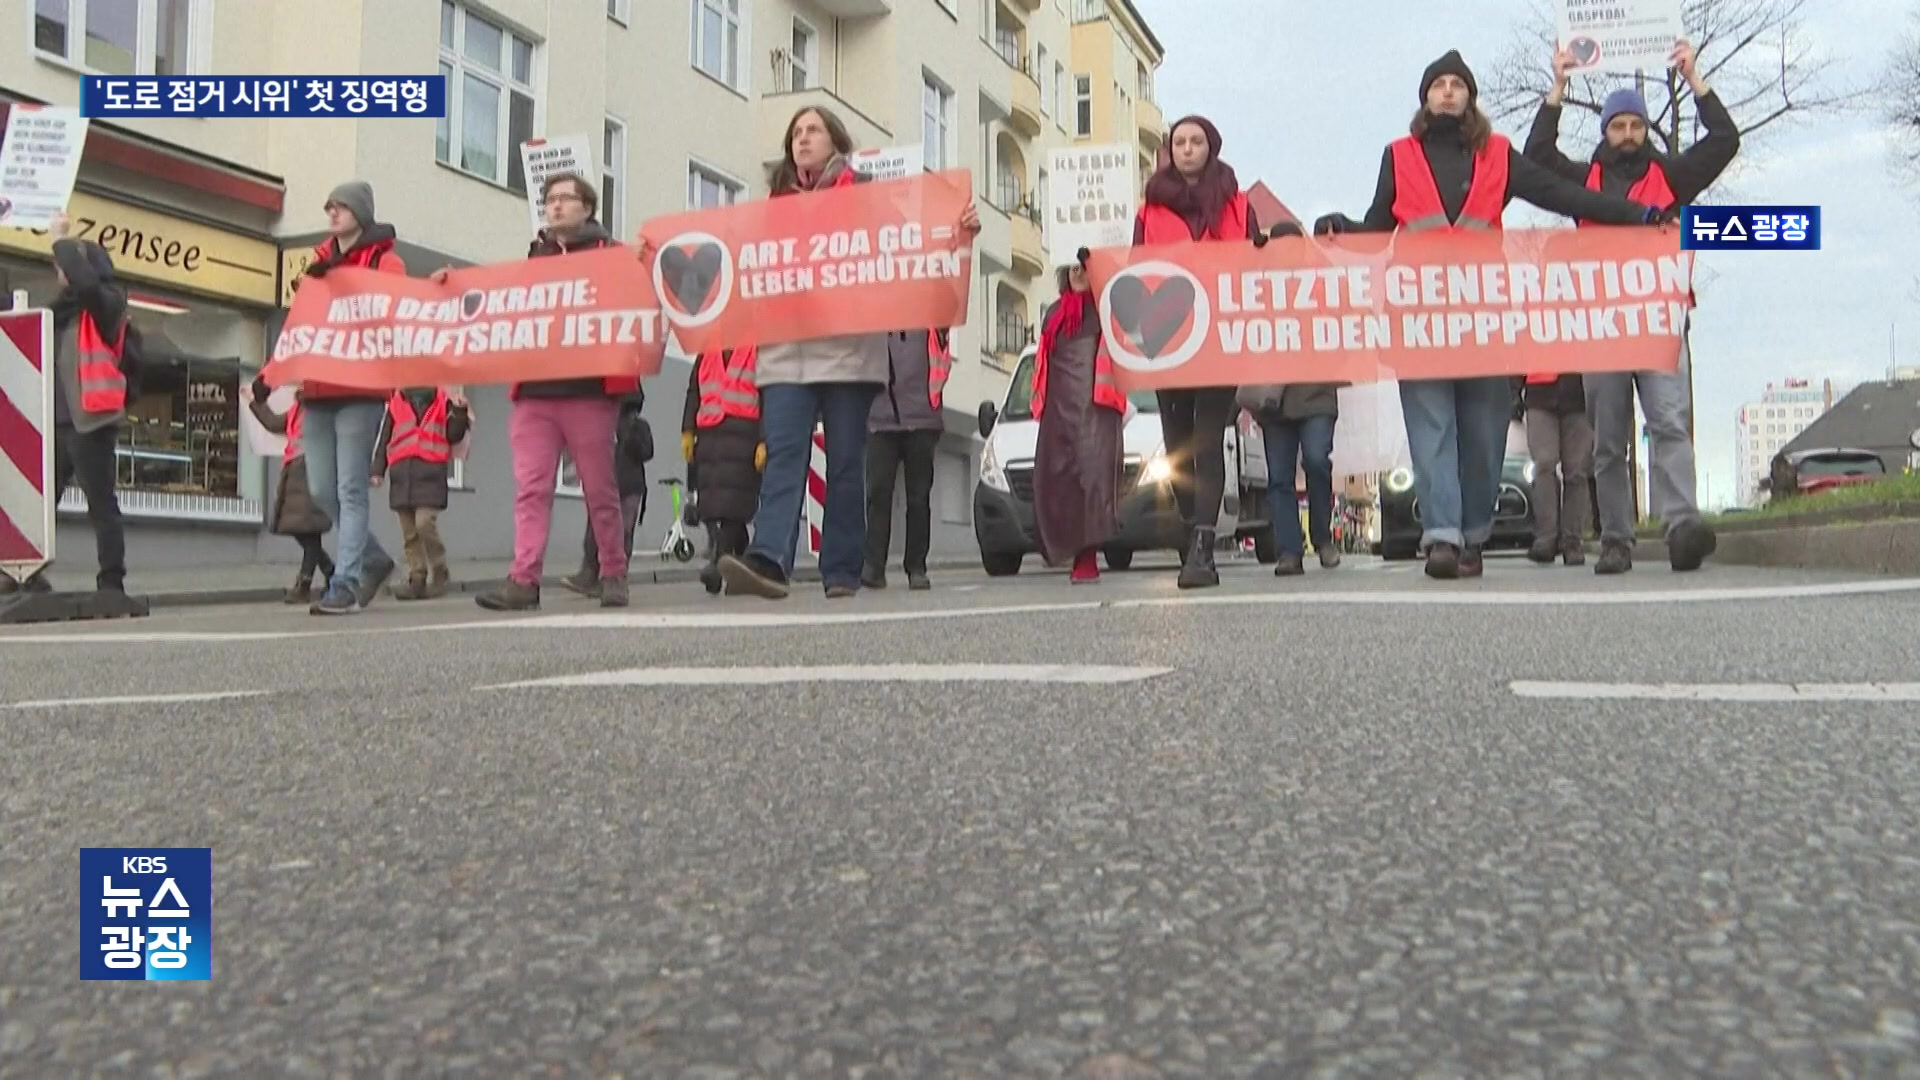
{"x": 133, "y": 926}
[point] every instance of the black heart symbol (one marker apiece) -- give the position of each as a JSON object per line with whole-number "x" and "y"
{"x": 1152, "y": 314}
{"x": 689, "y": 277}
{"x": 471, "y": 303}
{"x": 1585, "y": 50}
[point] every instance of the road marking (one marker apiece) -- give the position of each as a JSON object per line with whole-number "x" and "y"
{"x": 1748, "y": 692}
{"x": 1440, "y": 595}
{"x": 135, "y": 699}
{"x": 906, "y": 673}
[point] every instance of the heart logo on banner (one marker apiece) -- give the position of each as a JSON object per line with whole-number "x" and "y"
{"x": 472, "y": 303}
{"x": 1152, "y": 315}
{"x": 689, "y": 273}
{"x": 1585, "y": 51}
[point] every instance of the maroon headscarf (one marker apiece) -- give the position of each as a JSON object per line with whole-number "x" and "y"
{"x": 1199, "y": 204}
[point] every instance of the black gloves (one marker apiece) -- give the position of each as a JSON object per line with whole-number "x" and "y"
{"x": 260, "y": 389}
{"x": 1285, "y": 228}
{"x": 1654, "y": 215}
{"x": 1082, "y": 256}
{"x": 1259, "y": 239}
{"x": 318, "y": 269}
{"x": 1333, "y": 225}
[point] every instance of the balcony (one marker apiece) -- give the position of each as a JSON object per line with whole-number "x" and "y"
{"x": 776, "y": 112}
{"x": 993, "y": 248}
{"x": 1027, "y": 118}
{"x": 1152, "y": 124}
{"x": 1029, "y": 250}
{"x": 854, "y": 9}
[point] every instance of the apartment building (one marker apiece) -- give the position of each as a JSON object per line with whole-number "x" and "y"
{"x": 1766, "y": 425}
{"x": 686, "y": 101}
{"x": 1115, "y": 55}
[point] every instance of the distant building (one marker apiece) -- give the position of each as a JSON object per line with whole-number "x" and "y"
{"x": 1878, "y": 416}
{"x": 1767, "y": 425}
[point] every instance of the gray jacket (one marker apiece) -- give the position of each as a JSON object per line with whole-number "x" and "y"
{"x": 905, "y": 404}
{"x": 857, "y": 358}
{"x": 1291, "y": 402}
{"x": 90, "y": 288}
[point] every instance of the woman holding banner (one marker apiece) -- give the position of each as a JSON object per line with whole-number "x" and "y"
{"x": 1195, "y": 196}
{"x": 1453, "y": 171}
{"x": 1077, "y": 459}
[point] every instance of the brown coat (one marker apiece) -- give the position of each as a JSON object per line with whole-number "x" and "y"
{"x": 295, "y": 513}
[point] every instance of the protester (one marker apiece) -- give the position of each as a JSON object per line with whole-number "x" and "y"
{"x": 577, "y": 416}
{"x": 1196, "y": 196}
{"x": 92, "y": 362}
{"x": 632, "y": 449}
{"x": 340, "y": 423}
{"x": 1081, "y": 411}
{"x": 1453, "y": 171}
{"x": 413, "y": 456}
{"x": 903, "y": 436}
{"x": 832, "y": 380}
{"x": 296, "y": 512}
{"x": 1625, "y": 163}
{"x": 1560, "y": 440}
{"x": 720, "y": 442}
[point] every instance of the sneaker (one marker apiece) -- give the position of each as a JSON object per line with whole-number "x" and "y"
{"x": 1542, "y": 551}
{"x": 582, "y": 584}
{"x": 753, "y": 575}
{"x": 1443, "y": 562}
{"x": 1573, "y": 553}
{"x": 1615, "y": 558}
{"x": 512, "y": 596}
{"x": 871, "y": 578}
{"x": 300, "y": 592}
{"x": 1289, "y": 565}
{"x": 1086, "y": 569}
{"x": 415, "y": 588}
{"x": 613, "y": 592}
{"x": 842, "y": 592}
{"x": 1329, "y": 558}
{"x": 918, "y": 581}
{"x": 1473, "y": 562}
{"x": 710, "y": 579}
{"x": 339, "y": 600}
{"x": 372, "y": 576}
{"x": 1688, "y": 545}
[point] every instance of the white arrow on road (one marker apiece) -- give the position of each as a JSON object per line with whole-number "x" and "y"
{"x": 898, "y": 673}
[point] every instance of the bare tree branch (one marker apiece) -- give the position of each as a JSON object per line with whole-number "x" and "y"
{"x": 1899, "y": 95}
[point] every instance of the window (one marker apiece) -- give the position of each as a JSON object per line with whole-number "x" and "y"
{"x": 1040, "y": 68}
{"x": 489, "y": 71}
{"x": 1008, "y": 43}
{"x": 719, "y": 42}
{"x": 1059, "y": 91}
{"x": 708, "y": 188}
{"x": 613, "y": 176}
{"x": 1146, "y": 83}
{"x": 620, "y": 11}
{"x": 803, "y": 59}
{"x": 936, "y": 118}
{"x": 1083, "y": 105}
{"x": 125, "y": 37}
{"x": 1006, "y": 193}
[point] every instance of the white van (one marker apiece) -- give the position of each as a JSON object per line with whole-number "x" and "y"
{"x": 1149, "y": 517}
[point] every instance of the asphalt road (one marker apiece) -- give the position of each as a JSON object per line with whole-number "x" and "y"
{"x": 1309, "y": 828}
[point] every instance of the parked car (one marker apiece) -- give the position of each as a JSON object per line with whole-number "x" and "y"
{"x": 1399, "y": 513}
{"x": 1810, "y": 472}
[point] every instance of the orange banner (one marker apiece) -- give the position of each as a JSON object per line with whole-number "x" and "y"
{"x": 888, "y": 255}
{"x": 1370, "y": 307}
{"x": 571, "y": 316}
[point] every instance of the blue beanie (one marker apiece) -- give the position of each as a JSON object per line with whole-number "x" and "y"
{"x": 1624, "y": 101}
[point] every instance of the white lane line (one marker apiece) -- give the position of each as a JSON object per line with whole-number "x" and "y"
{"x": 898, "y": 673}
{"x": 1744, "y": 692}
{"x": 135, "y": 699}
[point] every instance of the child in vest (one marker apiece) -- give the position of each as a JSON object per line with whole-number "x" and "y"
{"x": 295, "y": 511}
{"x": 720, "y": 441}
{"x": 413, "y": 457}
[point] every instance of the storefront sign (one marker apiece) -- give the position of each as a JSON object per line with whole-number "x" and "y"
{"x": 150, "y": 246}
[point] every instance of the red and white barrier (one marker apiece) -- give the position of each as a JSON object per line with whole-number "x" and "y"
{"x": 816, "y": 491}
{"x": 26, "y": 442}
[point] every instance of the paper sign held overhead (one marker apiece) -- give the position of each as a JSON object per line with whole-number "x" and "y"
{"x": 1091, "y": 204}
{"x": 541, "y": 158}
{"x": 1619, "y": 36}
{"x": 892, "y": 163}
{"x": 39, "y": 163}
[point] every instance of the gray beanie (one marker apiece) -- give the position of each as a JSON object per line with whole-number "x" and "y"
{"x": 357, "y": 197}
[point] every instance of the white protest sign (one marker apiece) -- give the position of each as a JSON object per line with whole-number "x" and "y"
{"x": 541, "y": 158}
{"x": 1091, "y": 204}
{"x": 39, "y": 163}
{"x": 1620, "y": 36}
{"x": 892, "y": 163}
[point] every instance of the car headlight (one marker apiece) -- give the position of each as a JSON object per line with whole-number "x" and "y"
{"x": 991, "y": 474}
{"x": 1399, "y": 480}
{"x": 1157, "y": 470}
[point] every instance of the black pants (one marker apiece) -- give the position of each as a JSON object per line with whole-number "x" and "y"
{"x": 726, "y": 538}
{"x": 887, "y": 453}
{"x": 313, "y": 556}
{"x": 1194, "y": 423}
{"x": 87, "y": 458}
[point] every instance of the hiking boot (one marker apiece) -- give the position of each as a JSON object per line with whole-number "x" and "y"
{"x": 918, "y": 581}
{"x": 1198, "y": 571}
{"x": 1615, "y": 558}
{"x": 1688, "y": 545}
{"x": 1473, "y": 561}
{"x": 442, "y": 581}
{"x": 874, "y": 577}
{"x": 583, "y": 583}
{"x": 753, "y": 575}
{"x": 1543, "y": 551}
{"x": 1443, "y": 562}
{"x": 301, "y": 592}
{"x": 1289, "y": 565}
{"x": 339, "y": 600}
{"x": 415, "y": 588}
{"x": 842, "y": 592}
{"x": 372, "y": 576}
{"x": 1572, "y": 552}
{"x": 710, "y": 578}
{"x": 512, "y": 596}
{"x": 1329, "y": 557}
{"x": 613, "y": 592}
{"x": 1086, "y": 568}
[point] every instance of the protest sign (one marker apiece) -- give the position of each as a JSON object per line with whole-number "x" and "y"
{"x": 39, "y": 163}
{"x": 887, "y": 255}
{"x": 1091, "y": 203}
{"x": 1621, "y": 36}
{"x": 541, "y": 158}
{"x": 573, "y": 316}
{"x": 1367, "y": 307}
{"x": 893, "y": 163}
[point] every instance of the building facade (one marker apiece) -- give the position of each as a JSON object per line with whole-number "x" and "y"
{"x": 1766, "y": 425}
{"x": 210, "y": 220}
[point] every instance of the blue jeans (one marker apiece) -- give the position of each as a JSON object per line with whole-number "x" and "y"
{"x": 1457, "y": 435}
{"x": 338, "y": 437}
{"x": 1288, "y": 442}
{"x": 787, "y": 415}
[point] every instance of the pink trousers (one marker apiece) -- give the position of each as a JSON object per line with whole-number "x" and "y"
{"x": 538, "y": 430}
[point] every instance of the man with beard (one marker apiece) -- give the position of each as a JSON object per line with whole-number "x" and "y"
{"x": 1626, "y": 164}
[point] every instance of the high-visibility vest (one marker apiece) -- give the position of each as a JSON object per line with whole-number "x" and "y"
{"x": 728, "y": 386}
{"x": 293, "y": 450}
{"x": 1160, "y": 225}
{"x": 103, "y": 386}
{"x": 423, "y": 437}
{"x": 1417, "y": 205}
{"x": 1543, "y": 378}
{"x": 1650, "y": 190}
{"x": 939, "y": 366}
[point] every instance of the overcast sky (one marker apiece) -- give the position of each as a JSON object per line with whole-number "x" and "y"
{"x": 1307, "y": 94}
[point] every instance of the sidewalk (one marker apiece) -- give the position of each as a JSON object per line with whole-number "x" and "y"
{"x": 247, "y": 583}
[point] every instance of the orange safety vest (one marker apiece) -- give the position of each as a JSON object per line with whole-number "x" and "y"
{"x": 1650, "y": 190}
{"x": 1162, "y": 226}
{"x": 103, "y": 386}
{"x": 423, "y": 437}
{"x": 728, "y": 386}
{"x": 1106, "y": 392}
{"x": 293, "y": 450}
{"x": 1416, "y": 198}
{"x": 939, "y": 366}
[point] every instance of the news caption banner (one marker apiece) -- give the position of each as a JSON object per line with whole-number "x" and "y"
{"x": 146, "y": 914}
{"x": 587, "y": 315}
{"x": 868, "y": 257}
{"x": 1394, "y": 306}
{"x": 420, "y": 96}
{"x": 1750, "y": 228}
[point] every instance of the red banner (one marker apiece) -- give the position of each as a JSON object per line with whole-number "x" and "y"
{"x": 572, "y": 316}
{"x": 888, "y": 255}
{"x": 1368, "y": 307}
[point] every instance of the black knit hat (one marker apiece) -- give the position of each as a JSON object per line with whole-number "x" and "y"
{"x": 1451, "y": 64}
